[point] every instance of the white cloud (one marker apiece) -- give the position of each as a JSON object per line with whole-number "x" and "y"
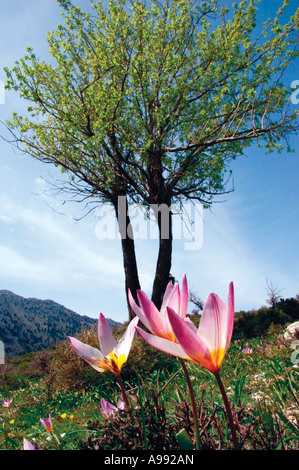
{"x": 6, "y": 219}
{"x": 46, "y": 248}
{"x": 16, "y": 266}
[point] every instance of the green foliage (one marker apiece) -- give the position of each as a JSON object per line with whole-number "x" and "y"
{"x": 262, "y": 389}
{"x": 266, "y": 320}
{"x": 140, "y": 96}
{"x": 184, "y": 440}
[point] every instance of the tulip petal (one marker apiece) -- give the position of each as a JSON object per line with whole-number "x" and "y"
{"x": 190, "y": 324}
{"x": 107, "y": 408}
{"x": 184, "y": 298}
{"x": 47, "y": 423}
{"x": 171, "y": 298}
{"x": 125, "y": 343}
{"x": 106, "y": 340}
{"x": 230, "y": 313}
{"x": 213, "y": 323}
{"x": 138, "y": 311}
{"x": 169, "y": 347}
{"x": 157, "y": 322}
{"x": 217, "y": 321}
{"x": 190, "y": 342}
{"x": 88, "y": 353}
{"x": 28, "y": 446}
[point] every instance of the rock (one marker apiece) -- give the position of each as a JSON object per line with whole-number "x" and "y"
{"x": 292, "y": 331}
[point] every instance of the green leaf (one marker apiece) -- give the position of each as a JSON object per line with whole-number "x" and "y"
{"x": 289, "y": 424}
{"x": 184, "y": 440}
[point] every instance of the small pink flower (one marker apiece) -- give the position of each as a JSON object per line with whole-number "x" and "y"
{"x": 121, "y": 404}
{"x": 261, "y": 349}
{"x": 47, "y": 423}
{"x": 247, "y": 350}
{"x": 28, "y": 446}
{"x": 107, "y": 409}
{"x": 6, "y": 403}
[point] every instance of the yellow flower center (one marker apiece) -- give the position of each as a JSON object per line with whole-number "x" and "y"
{"x": 212, "y": 360}
{"x": 113, "y": 363}
{"x": 167, "y": 335}
{"x": 217, "y": 356}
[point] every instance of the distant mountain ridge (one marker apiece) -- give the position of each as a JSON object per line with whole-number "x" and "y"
{"x": 30, "y": 324}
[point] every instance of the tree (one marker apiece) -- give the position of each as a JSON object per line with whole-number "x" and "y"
{"x": 197, "y": 302}
{"x": 152, "y": 100}
{"x": 273, "y": 294}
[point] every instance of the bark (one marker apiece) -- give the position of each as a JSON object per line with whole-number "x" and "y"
{"x": 128, "y": 250}
{"x": 163, "y": 266}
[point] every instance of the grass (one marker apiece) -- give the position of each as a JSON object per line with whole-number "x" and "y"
{"x": 262, "y": 389}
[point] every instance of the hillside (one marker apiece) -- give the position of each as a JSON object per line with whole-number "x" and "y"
{"x": 29, "y": 324}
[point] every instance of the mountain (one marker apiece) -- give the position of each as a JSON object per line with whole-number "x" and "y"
{"x": 30, "y": 325}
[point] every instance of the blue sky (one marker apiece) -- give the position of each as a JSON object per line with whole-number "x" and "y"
{"x": 249, "y": 238}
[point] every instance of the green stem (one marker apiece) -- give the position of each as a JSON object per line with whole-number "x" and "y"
{"x": 55, "y": 437}
{"x": 125, "y": 396}
{"x": 195, "y": 417}
{"x": 228, "y": 411}
{"x": 144, "y": 433}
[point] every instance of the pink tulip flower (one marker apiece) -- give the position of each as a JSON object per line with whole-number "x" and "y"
{"x": 157, "y": 322}
{"x": 107, "y": 409}
{"x": 28, "y": 446}
{"x": 175, "y": 334}
{"x": 247, "y": 350}
{"x": 6, "y": 403}
{"x": 47, "y": 423}
{"x": 261, "y": 349}
{"x": 112, "y": 355}
{"x": 208, "y": 344}
{"x": 121, "y": 404}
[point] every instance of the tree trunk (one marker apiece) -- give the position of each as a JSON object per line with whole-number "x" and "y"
{"x": 162, "y": 276}
{"x": 128, "y": 250}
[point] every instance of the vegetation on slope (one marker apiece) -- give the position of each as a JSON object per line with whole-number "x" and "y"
{"x": 258, "y": 373}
